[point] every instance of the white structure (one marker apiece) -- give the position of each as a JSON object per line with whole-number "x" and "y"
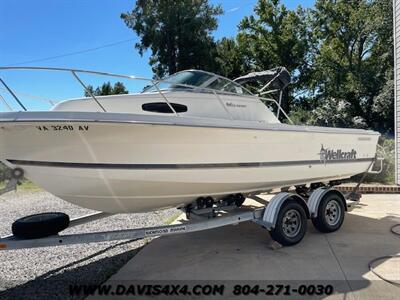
{"x": 196, "y": 141}
{"x": 191, "y": 136}
{"x": 396, "y": 26}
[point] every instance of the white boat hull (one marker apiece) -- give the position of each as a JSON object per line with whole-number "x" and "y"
{"x": 136, "y": 167}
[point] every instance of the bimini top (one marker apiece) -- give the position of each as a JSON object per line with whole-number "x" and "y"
{"x": 278, "y": 78}
{"x": 198, "y": 78}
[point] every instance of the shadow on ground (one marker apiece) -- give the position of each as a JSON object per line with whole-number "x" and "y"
{"x": 55, "y": 283}
{"x": 241, "y": 255}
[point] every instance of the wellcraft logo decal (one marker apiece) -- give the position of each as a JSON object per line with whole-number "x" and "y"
{"x": 338, "y": 154}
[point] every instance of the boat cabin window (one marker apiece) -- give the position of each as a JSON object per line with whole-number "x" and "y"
{"x": 188, "y": 77}
{"x": 200, "y": 79}
{"x": 225, "y": 85}
{"x": 162, "y": 107}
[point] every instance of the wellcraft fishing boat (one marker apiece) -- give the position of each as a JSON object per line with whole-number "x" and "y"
{"x": 192, "y": 136}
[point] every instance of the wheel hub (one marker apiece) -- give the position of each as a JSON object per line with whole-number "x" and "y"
{"x": 332, "y": 212}
{"x": 291, "y": 223}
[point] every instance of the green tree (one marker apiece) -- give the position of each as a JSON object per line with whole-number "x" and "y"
{"x": 119, "y": 88}
{"x": 274, "y": 36}
{"x": 107, "y": 89}
{"x": 178, "y": 33}
{"x": 231, "y": 59}
{"x": 353, "y": 60}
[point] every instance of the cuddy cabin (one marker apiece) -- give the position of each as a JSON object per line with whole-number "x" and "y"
{"x": 190, "y": 93}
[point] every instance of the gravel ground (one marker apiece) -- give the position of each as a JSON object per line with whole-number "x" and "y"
{"x": 46, "y": 273}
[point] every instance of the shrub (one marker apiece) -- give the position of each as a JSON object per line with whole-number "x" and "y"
{"x": 387, "y": 176}
{"x": 3, "y": 170}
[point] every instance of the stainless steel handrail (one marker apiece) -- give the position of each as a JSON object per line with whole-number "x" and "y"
{"x": 88, "y": 90}
{"x": 165, "y": 98}
{"x": 129, "y": 77}
{"x": 39, "y": 98}
{"x": 154, "y": 82}
{"x": 5, "y": 103}
{"x": 12, "y": 94}
{"x": 279, "y": 108}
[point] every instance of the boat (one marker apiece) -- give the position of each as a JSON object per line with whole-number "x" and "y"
{"x": 193, "y": 135}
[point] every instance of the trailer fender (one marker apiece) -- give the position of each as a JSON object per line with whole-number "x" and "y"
{"x": 316, "y": 197}
{"x": 271, "y": 212}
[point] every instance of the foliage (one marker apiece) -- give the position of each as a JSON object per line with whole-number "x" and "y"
{"x": 176, "y": 31}
{"x": 383, "y": 106}
{"x": 387, "y": 176}
{"x": 333, "y": 112}
{"x": 275, "y": 36}
{"x": 107, "y": 89}
{"x": 352, "y": 46}
{"x": 340, "y": 55}
{"x": 301, "y": 116}
{"x": 3, "y": 171}
{"x": 230, "y": 58}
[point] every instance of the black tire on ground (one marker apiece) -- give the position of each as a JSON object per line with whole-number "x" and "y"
{"x": 283, "y": 232}
{"x": 40, "y": 225}
{"x": 330, "y": 213}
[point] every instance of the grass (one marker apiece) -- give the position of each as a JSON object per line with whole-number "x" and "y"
{"x": 25, "y": 185}
{"x": 172, "y": 218}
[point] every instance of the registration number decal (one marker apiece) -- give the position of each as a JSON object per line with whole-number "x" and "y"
{"x": 63, "y": 127}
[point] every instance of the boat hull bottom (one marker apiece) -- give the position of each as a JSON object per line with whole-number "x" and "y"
{"x": 130, "y": 191}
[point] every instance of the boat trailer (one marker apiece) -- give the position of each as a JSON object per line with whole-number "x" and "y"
{"x": 266, "y": 216}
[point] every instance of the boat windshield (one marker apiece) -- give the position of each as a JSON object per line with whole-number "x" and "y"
{"x": 198, "y": 79}
{"x": 225, "y": 85}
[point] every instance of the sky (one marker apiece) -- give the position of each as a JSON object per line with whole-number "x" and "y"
{"x": 40, "y": 29}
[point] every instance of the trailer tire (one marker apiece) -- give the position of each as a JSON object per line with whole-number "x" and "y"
{"x": 40, "y": 225}
{"x": 239, "y": 200}
{"x": 330, "y": 214}
{"x": 291, "y": 224}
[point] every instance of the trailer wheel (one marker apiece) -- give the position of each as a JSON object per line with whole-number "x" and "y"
{"x": 330, "y": 214}
{"x": 291, "y": 224}
{"x": 40, "y": 225}
{"x": 239, "y": 199}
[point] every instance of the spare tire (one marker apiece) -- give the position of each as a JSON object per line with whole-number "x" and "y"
{"x": 40, "y": 225}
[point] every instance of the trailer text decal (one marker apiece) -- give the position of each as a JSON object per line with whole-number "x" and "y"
{"x": 338, "y": 154}
{"x": 162, "y": 231}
